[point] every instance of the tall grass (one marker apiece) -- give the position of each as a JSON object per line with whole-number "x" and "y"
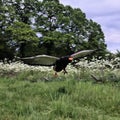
{"x": 33, "y": 93}
{"x": 64, "y": 98}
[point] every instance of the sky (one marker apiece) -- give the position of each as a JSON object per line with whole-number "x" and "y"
{"x": 104, "y": 12}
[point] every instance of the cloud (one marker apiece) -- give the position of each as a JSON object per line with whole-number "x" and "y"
{"x": 112, "y": 37}
{"x": 94, "y": 6}
{"x": 110, "y": 25}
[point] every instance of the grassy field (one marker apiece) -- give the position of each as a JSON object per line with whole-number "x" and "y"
{"x": 40, "y": 96}
{"x": 90, "y": 91}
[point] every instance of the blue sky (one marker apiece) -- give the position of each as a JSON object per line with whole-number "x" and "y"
{"x": 104, "y": 12}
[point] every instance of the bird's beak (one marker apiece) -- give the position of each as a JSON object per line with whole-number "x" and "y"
{"x": 70, "y": 58}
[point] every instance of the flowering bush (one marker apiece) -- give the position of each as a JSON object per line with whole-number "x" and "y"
{"x": 18, "y": 66}
{"x": 101, "y": 70}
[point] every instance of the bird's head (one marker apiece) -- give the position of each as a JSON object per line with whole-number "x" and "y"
{"x": 70, "y": 59}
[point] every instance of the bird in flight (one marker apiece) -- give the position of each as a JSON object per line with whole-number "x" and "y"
{"x": 58, "y": 64}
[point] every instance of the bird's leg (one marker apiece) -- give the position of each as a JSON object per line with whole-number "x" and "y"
{"x": 64, "y": 71}
{"x": 55, "y": 75}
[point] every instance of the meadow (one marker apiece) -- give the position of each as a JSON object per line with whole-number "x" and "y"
{"x": 90, "y": 91}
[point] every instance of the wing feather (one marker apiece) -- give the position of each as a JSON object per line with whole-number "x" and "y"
{"x": 44, "y": 60}
{"x": 82, "y": 53}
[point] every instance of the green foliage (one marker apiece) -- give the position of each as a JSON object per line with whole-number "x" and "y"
{"x": 70, "y": 24}
{"x": 22, "y": 34}
{"x": 61, "y": 28}
{"x": 5, "y": 49}
{"x": 118, "y": 53}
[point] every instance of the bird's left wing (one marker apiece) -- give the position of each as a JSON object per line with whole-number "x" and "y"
{"x": 44, "y": 60}
{"x": 82, "y": 53}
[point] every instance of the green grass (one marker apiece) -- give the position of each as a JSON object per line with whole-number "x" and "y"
{"x": 39, "y": 96}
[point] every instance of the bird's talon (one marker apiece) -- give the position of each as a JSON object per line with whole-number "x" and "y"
{"x": 65, "y": 72}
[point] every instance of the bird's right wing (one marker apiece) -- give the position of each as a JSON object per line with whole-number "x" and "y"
{"x": 44, "y": 60}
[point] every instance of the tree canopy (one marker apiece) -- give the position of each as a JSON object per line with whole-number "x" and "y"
{"x": 31, "y": 27}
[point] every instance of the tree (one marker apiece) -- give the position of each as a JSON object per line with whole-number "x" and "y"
{"x": 118, "y": 53}
{"x": 62, "y": 30}
{"x": 53, "y": 17}
{"x": 21, "y": 34}
{"x": 12, "y": 13}
{"x": 96, "y": 38}
{"x": 5, "y": 49}
{"x": 25, "y": 10}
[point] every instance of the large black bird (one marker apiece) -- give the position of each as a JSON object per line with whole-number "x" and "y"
{"x": 58, "y": 63}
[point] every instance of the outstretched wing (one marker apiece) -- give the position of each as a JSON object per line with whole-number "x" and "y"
{"x": 44, "y": 60}
{"x": 82, "y": 53}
